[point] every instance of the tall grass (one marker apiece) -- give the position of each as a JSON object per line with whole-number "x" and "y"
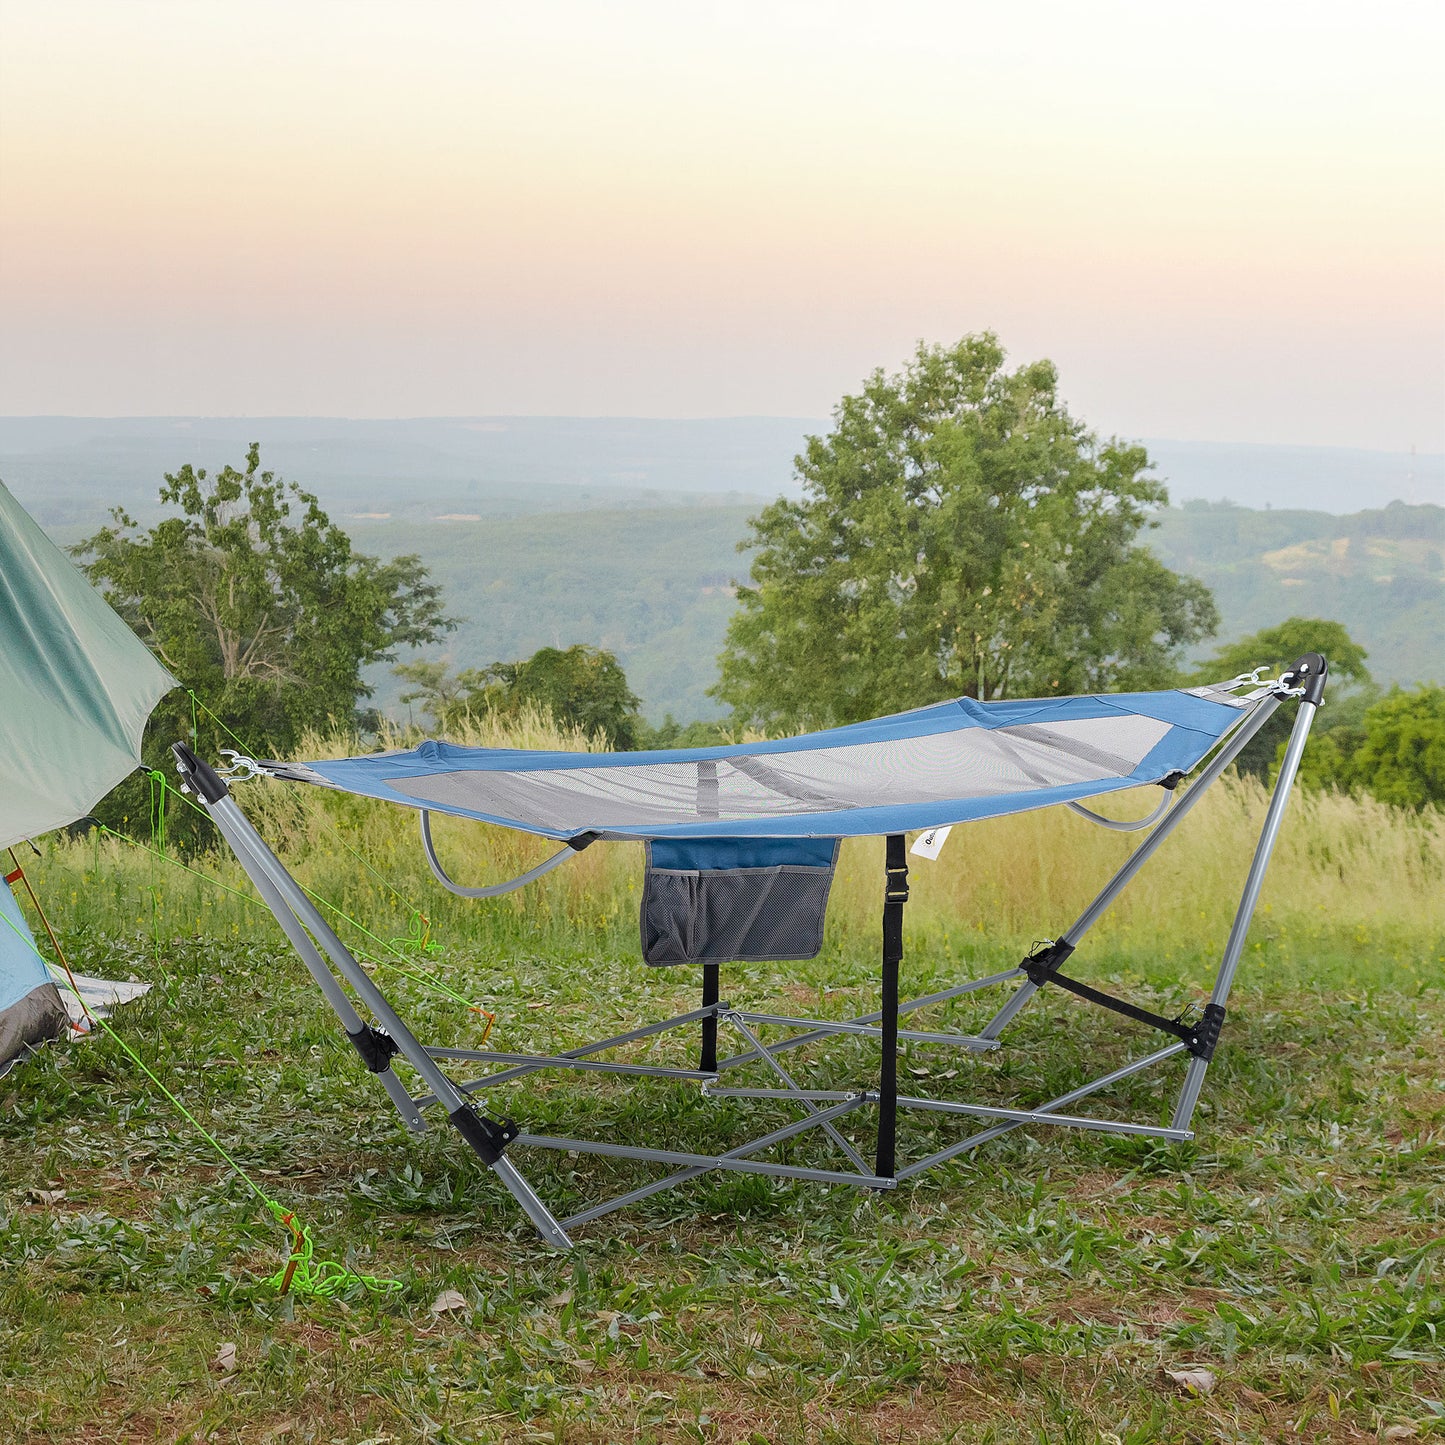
{"x": 1356, "y": 890}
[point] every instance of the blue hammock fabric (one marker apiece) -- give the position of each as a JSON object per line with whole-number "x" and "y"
{"x": 948, "y": 763}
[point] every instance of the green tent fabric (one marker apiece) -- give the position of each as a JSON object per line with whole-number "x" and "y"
{"x": 76, "y": 685}
{"x": 76, "y": 688}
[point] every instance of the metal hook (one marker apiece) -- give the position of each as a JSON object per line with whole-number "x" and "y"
{"x": 240, "y": 769}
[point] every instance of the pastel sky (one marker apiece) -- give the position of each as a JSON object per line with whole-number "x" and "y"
{"x": 1223, "y": 222}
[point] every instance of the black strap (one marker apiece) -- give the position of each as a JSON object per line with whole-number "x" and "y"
{"x": 895, "y": 895}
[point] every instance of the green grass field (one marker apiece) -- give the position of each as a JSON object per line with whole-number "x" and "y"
{"x": 1038, "y": 1290}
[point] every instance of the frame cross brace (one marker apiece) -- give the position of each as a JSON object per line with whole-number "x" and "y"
{"x": 1200, "y": 1036}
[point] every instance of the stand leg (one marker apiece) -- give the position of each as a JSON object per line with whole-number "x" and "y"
{"x": 1234, "y": 948}
{"x": 293, "y": 908}
{"x": 895, "y": 895}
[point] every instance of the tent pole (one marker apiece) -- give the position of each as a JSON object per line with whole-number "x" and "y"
{"x": 1072, "y": 936}
{"x": 1234, "y": 948}
{"x": 895, "y": 895}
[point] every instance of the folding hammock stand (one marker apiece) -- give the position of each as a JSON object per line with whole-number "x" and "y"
{"x": 741, "y": 844}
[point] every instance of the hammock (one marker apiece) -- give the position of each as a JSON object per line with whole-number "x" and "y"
{"x": 950, "y": 763}
{"x": 741, "y": 845}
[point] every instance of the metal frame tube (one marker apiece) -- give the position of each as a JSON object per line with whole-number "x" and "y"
{"x": 854, "y": 1157}
{"x": 316, "y": 966}
{"x": 253, "y": 853}
{"x": 310, "y": 917}
{"x": 705, "y": 1162}
{"x": 1141, "y": 855}
{"x": 1249, "y": 898}
{"x": 922, "y": 1036}
{"x": 822, "y": 1029}
{"x": 556, "y": 1061}
{"x": 583, "y": 1050}
{"x": 764, "y": 1141}
{"x": 1033, "y": 1116}
{"x": 1083, "y": 1091}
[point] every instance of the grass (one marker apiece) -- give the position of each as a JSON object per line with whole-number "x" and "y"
{"x": 1035, "y": 1291}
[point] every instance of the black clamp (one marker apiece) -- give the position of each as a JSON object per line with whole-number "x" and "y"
{"x": 1046, "y": 960}
{"x": 376, "y": 1047}
{"x": 1203, "y": 1036}
{"x": 488, "y": 1137}
{"x": 1171, "y": 780}
{"x": 198, "y": 775}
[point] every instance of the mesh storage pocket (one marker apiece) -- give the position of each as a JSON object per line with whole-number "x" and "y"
{"x": 714, "y": 915}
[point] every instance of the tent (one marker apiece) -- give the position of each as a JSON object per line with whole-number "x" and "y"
{"x": 76, "y": 688}
{"x": 741, "y": 844}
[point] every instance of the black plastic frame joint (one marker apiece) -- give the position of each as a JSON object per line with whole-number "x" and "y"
{"x": 1309, "y": 672}
{"x": 1046, "y": 960}
{"x": 197, "y": 774}
{"x": 1204, "y": 1036}
{"x": 1171, "y": 780}
{"x": 582, "y": 840}
{"x": 488, "y": 1137}
{"x": 376, "y": 1047}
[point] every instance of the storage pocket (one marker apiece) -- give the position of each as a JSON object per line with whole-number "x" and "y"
{"x": 750, "y": 914}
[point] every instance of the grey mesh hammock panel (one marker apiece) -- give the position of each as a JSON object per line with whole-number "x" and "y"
{"x": 948, "y": 763}
{"x": 741, "y": 846}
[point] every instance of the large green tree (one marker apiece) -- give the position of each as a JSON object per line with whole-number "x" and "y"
{"x": 255, "y": 600}
{"x": 959, "y": 533}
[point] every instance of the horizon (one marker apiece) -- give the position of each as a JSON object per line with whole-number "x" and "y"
{"x": 821, "y": 421}
{"x": 523, "y": 463}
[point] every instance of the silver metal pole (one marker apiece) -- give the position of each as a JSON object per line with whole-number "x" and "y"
{"x": 854, "y": 1157}
{"x": 451, "y": 1098}
{"x": 1234, "y": 948}
{"x": 326, "y": 981}
{"x": 1092, "y": 1087}
{"x": 823, "y": 1029}
{"x": 765, "y": 1141}
{"x": 1033, "y": 1116}
{"x": 1140, "y": 856}
{"x": 303, "y": 908}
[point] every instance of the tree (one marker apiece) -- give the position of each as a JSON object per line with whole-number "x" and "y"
{"x": 1276, "y": 647}
{"x": 959, "y": 533}
{"x": 1398, "y": 754}
{"x": 1336, "y": 729}
{"x": 580, "y": 686}
{"x": 254, "y": 599}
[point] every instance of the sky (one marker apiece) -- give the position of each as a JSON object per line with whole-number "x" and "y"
{"x": 1222, "y": 222}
